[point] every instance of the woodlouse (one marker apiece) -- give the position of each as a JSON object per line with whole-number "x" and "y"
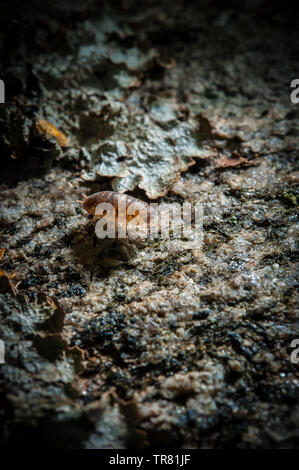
{"x": 90, "y": 203}
{"x": 125, "y": 207}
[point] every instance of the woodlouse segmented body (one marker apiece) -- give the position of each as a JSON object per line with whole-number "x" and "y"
{"x": 131, "y": 205}
{"x": 89, "y": 203}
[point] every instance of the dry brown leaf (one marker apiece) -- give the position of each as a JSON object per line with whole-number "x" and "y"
{"x": 224, "y": 162}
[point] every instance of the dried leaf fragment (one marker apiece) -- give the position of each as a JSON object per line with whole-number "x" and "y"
{"x": 45, "y": 127}
{"x": 2, "y": 251}
{"x": 224, "y": 162}
{"x": 6, "y": 285}
{"x": 3, "y": 273}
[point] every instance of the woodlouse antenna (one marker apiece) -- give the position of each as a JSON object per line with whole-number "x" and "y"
{"x": 84, "y": 197}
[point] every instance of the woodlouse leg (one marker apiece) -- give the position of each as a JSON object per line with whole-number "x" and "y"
{"x": 126, "y": 251}
{"x": 92, "y": 221}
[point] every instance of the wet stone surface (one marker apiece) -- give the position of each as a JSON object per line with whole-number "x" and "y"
{"x": 109, "y": 345}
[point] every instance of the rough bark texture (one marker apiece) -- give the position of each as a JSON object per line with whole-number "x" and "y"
{"x": 108, "y": 347}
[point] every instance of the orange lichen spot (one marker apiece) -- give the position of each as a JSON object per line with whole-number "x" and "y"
{"x": 50, "y": 130}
